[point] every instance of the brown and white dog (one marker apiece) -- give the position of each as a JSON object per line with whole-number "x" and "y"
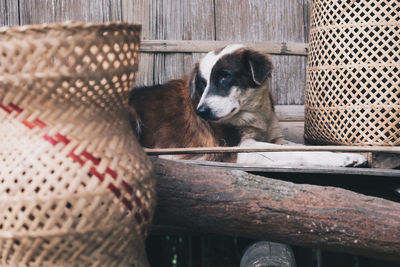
{"x": 226, "y": 101}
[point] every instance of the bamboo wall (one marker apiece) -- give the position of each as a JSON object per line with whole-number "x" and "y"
{"x": 227, "y": 20}
{"x": 276, "y": 21}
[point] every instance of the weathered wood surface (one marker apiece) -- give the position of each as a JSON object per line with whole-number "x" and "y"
{"x": 362, "y": 173}
{"x": 38, "y": 11}
{"x": 290, "y": 113}
{"x": 9, "y": 13}
{"x": 233, "y": 21}
{"x": 205, "y": 150}
{"x": 180, "y": 20}
{"x": 201, "y": 46}
{"x": 277, "y": 21}
{"x": 142, "y": 11}
{"x": 232, "y": 202}
{"x": 291, "y": 118}
{"x": 274, "y": 20}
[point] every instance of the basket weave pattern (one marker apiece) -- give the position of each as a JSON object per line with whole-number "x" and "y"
{"x": 353, "y": 84}
{"x": 76, "y": 189}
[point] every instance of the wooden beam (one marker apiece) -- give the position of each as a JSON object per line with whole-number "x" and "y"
{"x": 290, "y": 113}
{"x": 358, "y": 172}
{"x": 232, "y": 202}
{"x": 210, "y": 150}
{"x": 198, "y": 46}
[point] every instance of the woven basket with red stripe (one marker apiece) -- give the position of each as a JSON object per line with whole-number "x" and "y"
{"x": 76, "y": 189}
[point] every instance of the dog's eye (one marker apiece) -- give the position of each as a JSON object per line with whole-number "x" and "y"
{"x": 224, "y": 77}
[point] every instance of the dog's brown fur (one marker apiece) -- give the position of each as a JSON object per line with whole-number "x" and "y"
{"x": 164, "y": 117}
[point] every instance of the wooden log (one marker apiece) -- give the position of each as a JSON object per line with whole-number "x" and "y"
{"x": 232, "y": 202}
{"x": 199, "y": 46}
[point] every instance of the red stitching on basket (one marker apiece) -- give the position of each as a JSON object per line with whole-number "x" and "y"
{"x": 127, "y": 187}
{"x": 6, "y": 109}
{"x": 62, "y": 138}
{"x": 76, "y": 158}
{"x": 40, "y": 123}
{"x": 90, "y": 157}
{"x": 114, "y": 189}
{"x": 112, "y": 173}
{"x": 11, "y": 107}
{"x": 80, "y": 159}
{"x": 97, "y": 174}
{"x": 28, "y": 124}
{"x": 49, "y": 139}
{"x": 16, "y": 108}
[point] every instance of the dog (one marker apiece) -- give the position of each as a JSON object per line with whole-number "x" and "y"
{"x": 225, "y": 101}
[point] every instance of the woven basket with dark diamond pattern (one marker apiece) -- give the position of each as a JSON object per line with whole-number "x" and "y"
{"x": 353, "y": 84}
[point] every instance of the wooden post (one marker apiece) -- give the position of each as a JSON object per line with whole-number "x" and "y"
{"x": 233, "y": 202}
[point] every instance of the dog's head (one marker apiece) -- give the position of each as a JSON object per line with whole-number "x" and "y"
{"x": 224, "y": 80}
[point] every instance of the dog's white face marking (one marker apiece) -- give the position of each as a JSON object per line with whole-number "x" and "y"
{"x": 224, "y": 107}
{"x": 220, "y": 105}
{"x": 208, "y": 62}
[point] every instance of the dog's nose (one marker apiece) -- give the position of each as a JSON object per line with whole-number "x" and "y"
{"x": 204, "y": 112}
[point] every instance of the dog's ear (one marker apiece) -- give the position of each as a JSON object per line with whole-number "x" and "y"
{"x": 192, "y": 81}
{"x": 259, "y": 66}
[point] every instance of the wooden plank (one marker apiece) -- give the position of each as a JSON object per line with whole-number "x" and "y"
{"x": 291, "y": 119}
{"x": 358, "y": 172}
{"x": 9, "y": 15}
{"x": 143, "y": 12}
{"x": 197, "y": 26}
{"x": 39, "y": 11}
{"x": 273, "y": 20}
{"x": 293, "y": 131}
{"x": 290, "y": 113}
{"x": 306, "y": 18}
{"x": 179, "y": 20}
{"x": 112, "y": 10}
{"x": 36, "y": 11}
{"x": 204, "y": 46}
{"x": 208, "y": 150}
{"x": 169, "y": 20}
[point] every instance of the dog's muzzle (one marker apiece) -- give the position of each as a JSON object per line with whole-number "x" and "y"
{"x": 206, "y": 113}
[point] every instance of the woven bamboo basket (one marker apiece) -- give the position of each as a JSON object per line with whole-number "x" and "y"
{"x": 353, "y": 87}
{"x": 76, "y": 189}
